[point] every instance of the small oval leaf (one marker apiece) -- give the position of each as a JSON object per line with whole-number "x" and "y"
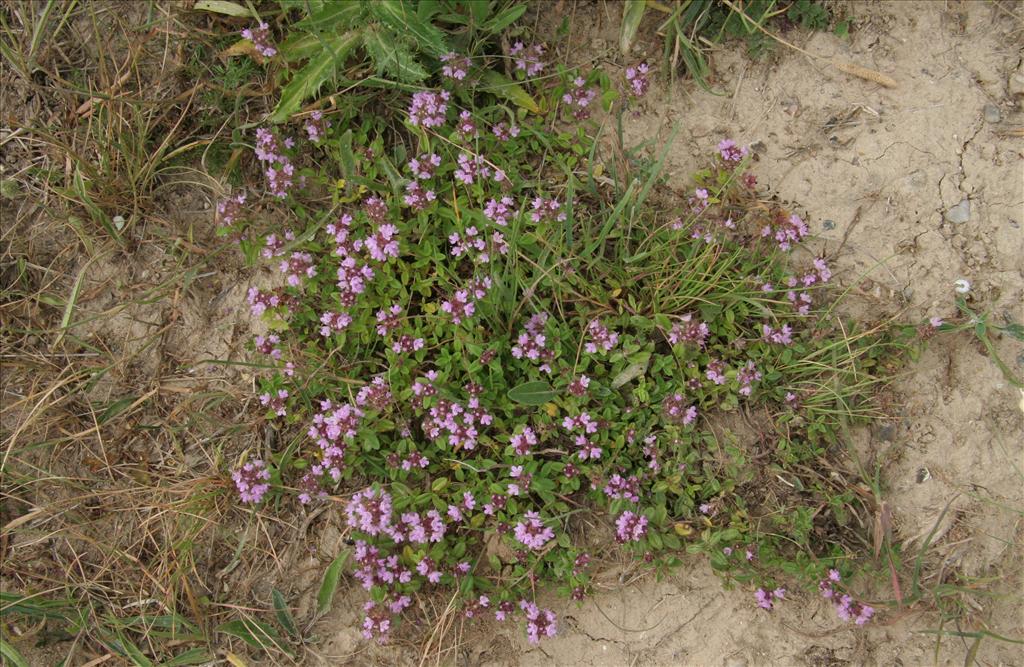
{"x": 537, "y": 392}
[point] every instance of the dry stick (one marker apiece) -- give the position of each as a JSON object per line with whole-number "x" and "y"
{"x": 849, "y": 68}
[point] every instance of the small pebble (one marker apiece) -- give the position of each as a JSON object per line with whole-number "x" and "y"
{"x": 829, "y": 225}
{"x": 960, "y": 213}
{"x": 991, "y": 113}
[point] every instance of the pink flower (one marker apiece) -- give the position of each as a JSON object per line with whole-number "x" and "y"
{"x": 251, "y": 481}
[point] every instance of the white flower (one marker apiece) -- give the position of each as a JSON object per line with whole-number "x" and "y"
{"x": 962, "y": 286}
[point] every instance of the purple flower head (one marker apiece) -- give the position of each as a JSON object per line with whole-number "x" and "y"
{"x": 677, "y": 410}
{"x": 579, "y": 98}
{"x": 747, "y": 375}
{"x": 316, "y": 126}
{"x": 532, "y": 533}
{"x": 251, "y": 481}
{"x": 637, "y": 79}
{"x": 455, "y": 66}
{"x": 260, "y": 38}
{"x": 424, "y": 166}
{"x": 428, "y": 108}
{"x": 630, "y": 527}
{"x": 601, "y": 338}
{"x": 370, "y": 512}
{"x": 528, "y": 59}
{"x": 731, "y": 154}
{"x": 500, "y": 211}
{"x": 689, "y": 330}
{"x": 539, "y": 622}
{"x": 578, "y": 386}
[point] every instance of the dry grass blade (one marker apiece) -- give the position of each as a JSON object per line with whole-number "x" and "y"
{"x": 865, "y": 73}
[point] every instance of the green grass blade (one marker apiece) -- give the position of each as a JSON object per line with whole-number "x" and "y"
{"x": 11, "y": 655}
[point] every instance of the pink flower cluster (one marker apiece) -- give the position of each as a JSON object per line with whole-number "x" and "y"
{"x": 500, "y": 211}
{"x": 677, "y": 409}
{"x": 260, "y": 38}
{"x": 601, "y": 338}
{"x": 619, "y": 487}
{"x": 787, "y": 231}
{"x": 376, "y": 395}
{"x": 532, "y": 342}
{"x": 528, "y": 58}
{"x": 316, "y": 126}
{"x": 715, "y": 371}
{"x": 466, "y": 127}
{"x": 273, "y": 245}
{"x": 332, "y": 322}
{"x": 637, "y": 79}
{"x": 474, "y": 240}
{"x": 630, "y": 527}
{"x": 731, "y": 154}
{"x": 503, "y": 131}
{"x": 457, "y": 422}
{"x": 462, "y": 304}
{"x": 539, "y": 622}
{"x": 279, "y": 170}
{"x": 353, "y": 273}
{"x": 268, "y": 345}
{"x": 587, "y": 426}
{"x": 579, "y": 98}
{"x": 328, "y": 429}
{"x": 747, "y": 376}
{"x": 455, "y": 66}
{"x": 578, "y": 386}
{"x": 532, "y": 533}
{"x": 429, "y": 108}
{"x": 260, "y": 301}
{"x": 275, "y": 402}
{"x": 766, "y": 599}
{"x": 781, "y": 336}
{"x": 229, "y": 209}
{"x": 547, "y": 210}
{"x": 846, "y": 608}
{"x": 689, "y": 330}
{"x": 523, "y": 442}
{"x": 470, "y": 168}
{"x": 251, "y": 480}
{"x": 296, "y": 267}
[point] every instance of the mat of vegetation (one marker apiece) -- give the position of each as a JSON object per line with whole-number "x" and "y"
{"x": 497, "y": 340}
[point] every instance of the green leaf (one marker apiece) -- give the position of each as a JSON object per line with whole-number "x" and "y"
{"x": 632, "y": 15}
{"x": 116, "y": 408}
{"x": 402, "y": 20}
{"x": 479, "y": 9}
{"x": 504, "y": 19}
{"x": 222, "y": 7}
{"x": 331, "y": 17}
{"x": 329, "y": 584}
{"x": 283, "y": 613}
{"x": 254, "y": 633}
{"x": 500, "y": 85}
{"x": 133, "y": 652}
{"x": 537, "y": 392}
{"x": 11, "y": 655}
{"x": 193, "y": 656}
{"x": 1015, "y": 330}
{"x": 316, "y": 73}
{"x": 389, "y": 55}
